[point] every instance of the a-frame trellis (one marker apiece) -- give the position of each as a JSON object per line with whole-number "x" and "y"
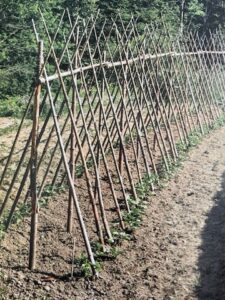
{"x": 113, "y": 104}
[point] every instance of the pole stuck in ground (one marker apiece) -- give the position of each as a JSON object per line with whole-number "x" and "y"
{"x": 33, "y": 162}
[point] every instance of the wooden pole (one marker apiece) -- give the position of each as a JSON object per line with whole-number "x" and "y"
{"x": 33, "y": 171}
{"x": 73, "y": 145}
{"x": 182, "y": 17}
{"x": 124, "y": 95}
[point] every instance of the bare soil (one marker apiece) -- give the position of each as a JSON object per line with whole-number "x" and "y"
{"x": 177, "y": 253}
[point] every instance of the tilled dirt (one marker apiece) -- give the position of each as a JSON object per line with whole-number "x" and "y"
{"x": 177, "y": 253}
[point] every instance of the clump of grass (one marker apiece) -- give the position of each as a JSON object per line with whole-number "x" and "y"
{"x": 48, "y": 192}
{"x": 116, "y": 145}
{"x": 22, "y": 211}
{"x": 137, "y": 206}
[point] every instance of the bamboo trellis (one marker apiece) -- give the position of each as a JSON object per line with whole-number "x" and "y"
{"x": 113, "y": 104}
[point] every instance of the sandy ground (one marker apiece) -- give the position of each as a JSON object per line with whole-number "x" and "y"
{"x": 177, "y": 253}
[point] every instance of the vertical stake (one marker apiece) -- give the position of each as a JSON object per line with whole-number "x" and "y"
{"x": 33, "y": 171}
{"x": 72, "y": 145}
{"x": 122, "y": 145}
{"x": 142, "y": 91}
{"x": 100, "y": 122}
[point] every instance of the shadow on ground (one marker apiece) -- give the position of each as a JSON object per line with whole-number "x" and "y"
{"x": 212, "y": 260}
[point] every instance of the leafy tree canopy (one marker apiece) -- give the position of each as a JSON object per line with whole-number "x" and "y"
{"x": 17, "y": 43}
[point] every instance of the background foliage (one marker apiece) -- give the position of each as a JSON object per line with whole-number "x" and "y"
{"x": 18, "y": 47}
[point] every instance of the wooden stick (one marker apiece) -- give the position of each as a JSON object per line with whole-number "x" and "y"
{"x": 130, "y": 61}
{"x": 72, "y": 150}
{"x": 71, "y": 183}
{"x": 33, "y": 172}
{"x": 73, "y": 124}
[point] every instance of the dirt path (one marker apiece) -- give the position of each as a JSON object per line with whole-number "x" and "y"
{"x": 177, "y": 253}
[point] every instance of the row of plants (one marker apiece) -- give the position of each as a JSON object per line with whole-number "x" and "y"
{"x": 133, "y": 219}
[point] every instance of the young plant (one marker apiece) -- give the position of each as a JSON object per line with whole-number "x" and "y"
{"x": 107, "y": 252}
{"x": 119, "y": 236}
{"x": 79, "y": 171}
{"x": 194, "y": 139}
{"x": 22, "y": 211}
{"x": 86, "y": 266}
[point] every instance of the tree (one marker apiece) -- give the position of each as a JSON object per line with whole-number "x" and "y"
{"x": 18, "y": 45}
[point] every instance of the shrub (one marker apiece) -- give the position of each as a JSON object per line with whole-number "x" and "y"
{"x": 12, "y": 107}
